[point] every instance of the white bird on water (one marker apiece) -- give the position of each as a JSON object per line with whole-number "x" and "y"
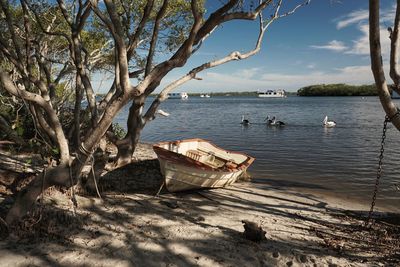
{"x": 245, "y": 121}
{"x": 162, "y": 113}
{"x": 276, "y": 123}
{"x": 273, "y": 122}
{"x": 328, "y": 124}
{"x": 268, "y": 120}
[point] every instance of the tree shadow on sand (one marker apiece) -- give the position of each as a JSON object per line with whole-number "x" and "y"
{"x": 132, "y": 227}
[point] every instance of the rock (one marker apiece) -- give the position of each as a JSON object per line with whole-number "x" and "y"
{"x": 275, "y": 254}
{"x": 200, "y": 219}
{"x": 321, "y": 205}
{"x": 171, "y": 204}
{"x": 253, "y": 231}
{"x": 303, "y": 258}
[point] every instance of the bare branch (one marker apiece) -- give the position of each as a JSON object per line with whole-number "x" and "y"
{"x": 48, "y": 31}
{"x": 294, "y": 9}
{"x": 180, "y": 57}
{"x": 27, "y": 26}
{"x": 120, "y": 45}
{"x": 192, "y": 74}
{"x": 81, "y": 19}
{"x": 11, "y": 29}
{"x": 246, "y": 15}
{"x": 106, "y": 21}
{"x": 134, "y": 39}
{"x": 64, "y": 11}
{"x": 221, "y": 15}
{"x": 11, "y": 56}
{"x": 154, "y": 38}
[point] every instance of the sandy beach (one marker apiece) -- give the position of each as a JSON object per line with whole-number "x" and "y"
{"x": 130, "y": 226}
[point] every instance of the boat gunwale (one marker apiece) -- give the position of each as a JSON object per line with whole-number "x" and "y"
{"x": 171, "y": 156}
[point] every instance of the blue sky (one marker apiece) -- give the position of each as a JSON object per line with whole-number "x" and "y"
{"x": 323, "y": 42}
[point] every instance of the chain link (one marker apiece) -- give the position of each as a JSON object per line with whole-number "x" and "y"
{"x": 379, "y": 171}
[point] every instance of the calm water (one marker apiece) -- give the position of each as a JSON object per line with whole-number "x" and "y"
{"x": 341, "y": 160}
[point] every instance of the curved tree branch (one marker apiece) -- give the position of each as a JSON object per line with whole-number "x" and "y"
{"x": 11, "y": 28}
{"x": 40, "y": 101}
{"x": 377, "y": 64}
{"x": 394, "y": 50}
{"x": 134, "y": 39}
{"x": 154, "y": 37}
{"x": 120, "y": 45}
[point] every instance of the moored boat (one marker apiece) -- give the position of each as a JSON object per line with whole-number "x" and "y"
{"x": 272, "y": 93}
{"x": 197, "y": 163}
{"x": 182, "y": 95}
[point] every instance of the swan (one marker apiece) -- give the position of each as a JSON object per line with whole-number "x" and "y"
{"x": 162, "y": 113}
{"x": 245, "y": 121}
{"x": 274, "y": 122}
{"x": 328, "y": 124}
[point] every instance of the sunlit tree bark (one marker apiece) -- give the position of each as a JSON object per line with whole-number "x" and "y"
{"x": 377, "y": 63}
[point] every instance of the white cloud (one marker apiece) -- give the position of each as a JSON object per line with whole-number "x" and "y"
{"x": 352, "y": 18}
{"x": 216, "y": 82}
{"x": 389, "y": 14}
{"x": 361, "y": 45}
{"x": 333, "y": 45}
{"x": 311, "y": 66}
{"x": 361, "y": 16}
{"x": 247, "y": 73}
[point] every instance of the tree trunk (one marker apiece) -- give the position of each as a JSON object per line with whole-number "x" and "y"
{"x": 59, "y": 175}
{"x": 77, "y": 114}
{"x": 377, "y": 64}
{"x": 126, "y": 146}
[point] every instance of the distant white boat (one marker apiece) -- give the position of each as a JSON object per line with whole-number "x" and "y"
{"x": 206, "y": 95}
{"x": 272, "y": 93}
{"x": 182, "y": 95}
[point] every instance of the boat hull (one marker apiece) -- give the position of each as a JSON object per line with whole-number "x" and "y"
{"x": 180, "y": 178}
{"x": 195, "y": 163}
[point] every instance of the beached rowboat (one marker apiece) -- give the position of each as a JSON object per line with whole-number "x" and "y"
{"x": 197, "y": 163}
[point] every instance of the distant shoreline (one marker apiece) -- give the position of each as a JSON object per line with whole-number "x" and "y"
{"x": 311, "y": 90}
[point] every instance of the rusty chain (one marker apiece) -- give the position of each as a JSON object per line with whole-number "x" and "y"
{"x": 379, "y": 170}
